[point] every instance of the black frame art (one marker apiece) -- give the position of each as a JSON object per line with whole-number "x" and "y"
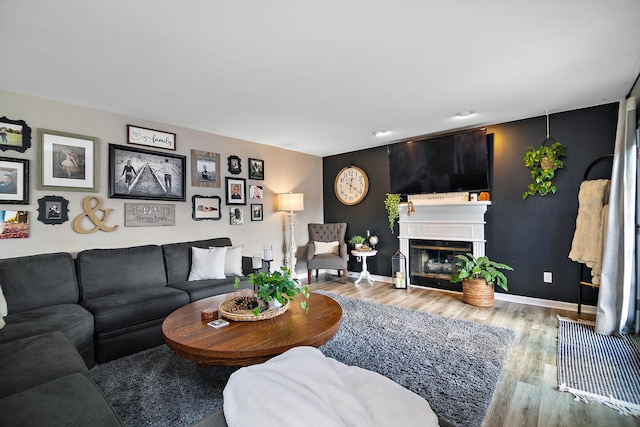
{"x": 53, "y": 210}
{"x": 256, "y": 169}
{"x": 235, "y": 190}
{"x": 15, "y": 136}
{"x": 234, "y": 164}
{"x": 256, "y": 212}
{"x": 206, "y": 207}
{"x": 14, "y": 181}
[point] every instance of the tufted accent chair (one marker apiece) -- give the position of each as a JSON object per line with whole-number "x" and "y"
{"x": 327, "y": 233}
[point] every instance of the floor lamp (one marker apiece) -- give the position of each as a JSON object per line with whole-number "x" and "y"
{"x": 291, "y": 202}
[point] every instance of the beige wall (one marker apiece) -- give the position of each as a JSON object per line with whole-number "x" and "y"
{"x": 284, "y": 171}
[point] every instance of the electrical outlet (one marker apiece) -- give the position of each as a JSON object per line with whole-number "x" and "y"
{"x": 548, "y": 277}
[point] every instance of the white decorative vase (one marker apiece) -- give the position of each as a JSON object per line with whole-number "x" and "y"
{"x": 274, "y": 303}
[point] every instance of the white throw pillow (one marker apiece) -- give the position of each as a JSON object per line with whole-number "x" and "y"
{"x": 326, "y": 247}
{"x": 233, "y": 261}
{"x": 207, "y": 263}
{"x": 3, "y": 308}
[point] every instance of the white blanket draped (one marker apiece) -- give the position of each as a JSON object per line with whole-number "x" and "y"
{"x": 303, "y": 387}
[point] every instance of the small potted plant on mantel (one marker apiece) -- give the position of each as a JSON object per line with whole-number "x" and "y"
{"x": 276, "y": 288}
{"x": 478, "y": 276}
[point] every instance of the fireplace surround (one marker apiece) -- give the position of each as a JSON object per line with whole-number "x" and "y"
{"x": 433, "y": 232}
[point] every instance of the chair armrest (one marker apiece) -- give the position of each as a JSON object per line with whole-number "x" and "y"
{"x": 310, "y": 250}
{"x": 344, "y": 254}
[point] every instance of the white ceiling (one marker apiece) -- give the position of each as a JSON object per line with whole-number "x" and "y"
{"x": 320, "y": 76}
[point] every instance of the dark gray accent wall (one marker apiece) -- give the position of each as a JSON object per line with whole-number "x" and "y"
{"x": 532, "y": 235}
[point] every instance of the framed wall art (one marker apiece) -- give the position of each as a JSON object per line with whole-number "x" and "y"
{"x": 236, "y": 215}
{"x": 135, "y": 173}
{"x": 14, "y": 224}
{"x": 14, "y": 135}
{"x": 151, "y": 138}
{"x": 255, "y": 192}
{"x": 234, "y": 164}
{"x": 206, "y": 207}
{"x": 256, "y": 212}
{"x": 67, "y": 161}
{"x": 235, "y": 191}
{"x": 149, "y": 214}
{"x": 53, "y": 210}
{"x": 205, "y": 169}
{"x": 256, "y": 169}
{"x": 14, "y": 181}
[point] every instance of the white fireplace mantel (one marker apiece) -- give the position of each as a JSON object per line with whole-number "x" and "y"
{"x": 451, "y": 221}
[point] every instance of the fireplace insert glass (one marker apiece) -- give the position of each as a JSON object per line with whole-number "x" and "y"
{"x": 431, "y": 262}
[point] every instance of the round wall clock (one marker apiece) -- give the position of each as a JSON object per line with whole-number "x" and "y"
{"x": 351, "y": 185}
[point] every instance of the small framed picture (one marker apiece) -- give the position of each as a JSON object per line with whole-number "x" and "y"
{"x": 67, "y": 161}
{"x": 235, "y": 164}
{"x": 151, "y": 138}
{"x": 53, "y": 210}
{"x": 14, "y": 224}
{"x": 235, "y": 191}
{"x": 14, "y": 181}
{"x": 255, "y": 192}
{"x": 256, "y": 169}
{"x": 136, "y": 173}
{"x": 14, "y": 135}
{"x": 205, "y": 169}
{"x": 256, "y": 212}
{"x": 206, "y": 207}
{"x": 236, "y": 215}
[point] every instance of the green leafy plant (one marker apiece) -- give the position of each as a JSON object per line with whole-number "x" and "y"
{"x": 469, "y": 267}
{"x": 392, "y": 205}
{"x": 278, "y": 285}
{"x": 357, "y": 240}
{"x": 543, "y": 162}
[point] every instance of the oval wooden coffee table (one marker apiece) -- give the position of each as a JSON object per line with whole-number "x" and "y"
{"x": 248, "y": 343}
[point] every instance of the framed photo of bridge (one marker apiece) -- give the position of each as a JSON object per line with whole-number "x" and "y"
{"x": 135, "y": 173}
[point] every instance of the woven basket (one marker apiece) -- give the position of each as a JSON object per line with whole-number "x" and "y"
{"x": 477, "y": 292}
{"x": 233, "y": 310}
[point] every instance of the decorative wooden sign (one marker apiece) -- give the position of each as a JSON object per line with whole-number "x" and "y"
{"x": 149, "y": 214}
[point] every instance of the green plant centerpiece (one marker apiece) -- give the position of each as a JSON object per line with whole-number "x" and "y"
{"x": 392, "y": 205}
{"x": 278, "y": 285}
{"x": 357, "y": 240}
{"x": 543, "y": 162}
{"x": 478, "y": 277}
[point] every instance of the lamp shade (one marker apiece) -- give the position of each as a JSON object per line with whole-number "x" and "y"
{"x": 291, "y": 202}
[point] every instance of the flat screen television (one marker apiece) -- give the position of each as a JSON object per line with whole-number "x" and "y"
{"x": 451, "y": 163}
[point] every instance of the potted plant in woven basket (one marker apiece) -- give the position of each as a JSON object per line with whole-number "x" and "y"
{"x": 277, "y": 288}
{"x": 478, "y": 276}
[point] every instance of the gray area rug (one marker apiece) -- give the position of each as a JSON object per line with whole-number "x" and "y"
{"x": 454, "y": 365}
{"x": 598, "y": 368}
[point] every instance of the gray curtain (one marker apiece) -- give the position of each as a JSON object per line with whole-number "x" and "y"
{"x": 617, "y": 297}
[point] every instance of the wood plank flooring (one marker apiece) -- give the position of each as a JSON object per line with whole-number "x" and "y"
{"x": 526, "y": 394}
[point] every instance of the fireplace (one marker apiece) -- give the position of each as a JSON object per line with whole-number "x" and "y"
{"x": 432, "y": 235}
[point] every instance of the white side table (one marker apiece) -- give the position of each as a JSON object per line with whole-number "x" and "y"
{"x": 364, "y": 274}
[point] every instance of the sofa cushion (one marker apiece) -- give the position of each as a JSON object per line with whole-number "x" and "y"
{"x": 38, "y": 281}
{"x": 32, "y": 361}
{"x": 3, "y": 308}
{"x": 177, "y": 256}
{"x": 72, "y": 400}
{"x": 113, "y": 271}
{"x": 117, "y": 311}
{"x": 326, "y": 247}
{"x": 207, "y": 263}
{"x": 233, "y": 261}
{"x": 200, "y": 289}
{"x": 71, "y": 319}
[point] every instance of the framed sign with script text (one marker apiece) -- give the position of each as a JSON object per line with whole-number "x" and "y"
{"x": 151, "y": 138}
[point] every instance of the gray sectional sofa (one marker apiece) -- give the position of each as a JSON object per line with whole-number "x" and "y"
{"x": 64, "y": 314}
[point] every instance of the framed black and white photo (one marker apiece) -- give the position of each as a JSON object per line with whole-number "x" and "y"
{"x": 14, "y": 135}
{"x": 256, "y": 212}
{"x": 206, "y": 207}
{"x": 151, "y": 138}
{"x": 14, "y": 181}
{"x": 205, "y": 169}
{"x": 135, "y": 173}
{"x": 256, "y": 169}
{"x": 255, "y": 192}
{"x": 236, "y": 215}
{"x": 235, "y": 191}
{"x": 234, "y": 164}
{"x": 67, "y": 161}
{"x": 14, "y": 224}
{"x": 53, "y": 210}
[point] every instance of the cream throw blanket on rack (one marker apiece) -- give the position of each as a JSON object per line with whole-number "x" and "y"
{"x": 302, "y": 387}
{"x": 588, "y": 239}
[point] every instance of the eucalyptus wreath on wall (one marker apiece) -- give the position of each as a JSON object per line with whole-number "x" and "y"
{"x": 543, "y": 162}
